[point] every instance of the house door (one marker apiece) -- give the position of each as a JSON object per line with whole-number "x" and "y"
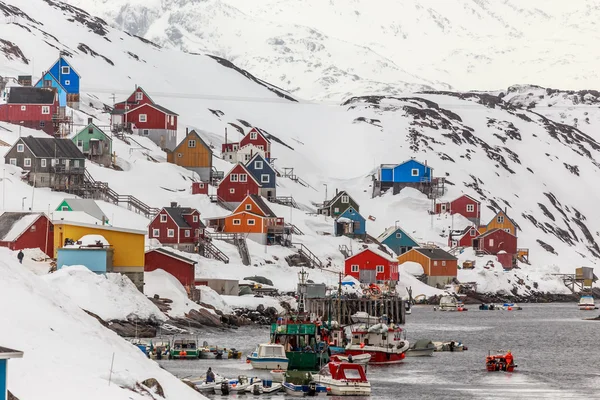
{"x": 367, "y": 276}
{"x": 443, "y": 208}
{"x": 475, "y": 243}
{"x": 270, "y": 194}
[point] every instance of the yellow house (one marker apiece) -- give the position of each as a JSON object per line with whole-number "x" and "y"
{"x": 128, "y": 245}
{"x": 500, "y": 221}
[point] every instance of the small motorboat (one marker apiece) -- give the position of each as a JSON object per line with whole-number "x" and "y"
{"x": 239, "y": 385}
{"x": 184, "y": 349}
{"x": 360, "y": 359}
{"x": 489, "y": 307}
{"x": 500, "y": 362}
{"x": 278, "y": 375}
{"x": 201, "y": 385}
{"x": 421, "y": 348}
{"x": 511, "y": 307}
{"x": 450, "y": 303}
{"x": 312, "y": 389}
{"x": 206, "y": 353}
{"x": 362, "y": 317}
{"x": 269, "y": 356}
{"x": 586, "y": 303}
{"x": 449, "y": 346}
{"x": 266, "y": 387}
{"x": 344, "y": 379}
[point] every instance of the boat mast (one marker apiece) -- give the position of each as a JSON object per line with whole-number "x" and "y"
{"x": 339, "y": 300}
{"x": 302, "y": 278}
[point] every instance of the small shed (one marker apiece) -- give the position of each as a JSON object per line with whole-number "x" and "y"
{"x": 350, "y": 223}
{"x": 226, "y": 287}
{"x": 92, "y": 251}
{"x": 5, "y": 355}
{"x": 176, "y": 264}
{"x": 27, "y": 230}
{"x": 200, "y": 187}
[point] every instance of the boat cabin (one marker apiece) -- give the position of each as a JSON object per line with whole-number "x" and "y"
{"x": 269, "y": 350}
{"x": 344, "y": 371}
{"x": 302, "y": 343}
{"x": 380, "y": 335}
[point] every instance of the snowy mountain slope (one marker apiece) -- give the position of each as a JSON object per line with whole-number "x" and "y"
{"x": 332, "y": 49}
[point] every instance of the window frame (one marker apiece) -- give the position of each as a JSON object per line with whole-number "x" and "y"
{"x": 379, "y": 270}
{"x": 443, "y": 263}
{"x": 192, "y": 143}
{"x": 345, "y": 199}
{"x": 231, "y": 190}
{"x": 64, "y": 68}
{"x": 262, "y": 178}
{"x": 23, "y": 108}
{"x": 45, "y": 110}
{"x": 171, "y": 233}
{"x": 414, "y": 172}
{"x": 258, "y": 165}
{"x": 244, "y": 178}
{"x": 233, "y": 177}
{"x": 253, "y": 135}
{"x": 12, "y": 161}
{"x": 163, "y": 218}
{"x": 22, "y": 147}
{"x": 187, "y": 233}
{"x": 155, "y": 232}
{"x": 43, "y": 163}
{"x": 139, "y": 96}
{"x": 194, "y": 218}
{"x": 27, "y": 162}
{"x": 354, "y": 268}
{"x": 470, "y": 207}
{"x": 500, "y": 219}
{"x": 398, "y": 235}
{"x": 251, "y": 222}
{"x": 144, "y": 119}
{"x": 248, "y": 207}
{"x": 237, "y": 222}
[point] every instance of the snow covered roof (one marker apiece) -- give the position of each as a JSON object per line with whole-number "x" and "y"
{"x": 375, "y": 251}
{"x": 172, "y": 254}
{"x": 392, "y": 229}
{"x": 88, "y": 206}
{"x": 6, "y": 353}
{"x": 435, "y": 253}
{"x": 75, "y": 216}
{"x": 103, "y": 227}
{"x": 14, "y": 224}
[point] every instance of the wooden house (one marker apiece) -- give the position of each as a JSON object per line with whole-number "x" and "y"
{"x": 254, "y": 219}
{"x": 253, "y": 142}
{"x": 500, "y": 221}
{"x": 92, "y": 251}
{"x": 35, "y": 108}
{"x": 200, "y": 188}
{"x": 194, "y": 154}
{"x": 496, "y": 241}
{"x": 410, "y": 173}
{"x": 464, "y": 205}
{"x": 27, "y": 230}
{"x": 48, "y": 162}
{"x": 68, "y": 78}
{"x": 177, "y": 227}
{"x": 463, "y": 237}
{"x": 50, "y": 81}
{"x": 350, "y": 223}
{"x": 236, "y": 185}
{"x": 338, "y": 204}
{"x": 398, "y": 240}
{"x": 94, "y": 144}
{"x": 371, "y": 265}
{"x": 88, "y": 206}
{"x": 439, "y": 266}
{"x": 262, "y": 172}
{"x": 135, "y": 99}
{"x": 181, "y": 267}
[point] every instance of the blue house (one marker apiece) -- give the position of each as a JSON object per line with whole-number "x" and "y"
{"x": 48, "y": 80}
{"x": 398, "y": 240}
{"x": 5, "y": 355}
{"x": 264, "y": 174}
{"x": 68, "y": 78}
{"x": 97, "y": 258}
{"x": 410, "y": 171}
{"x": 350, "y": 223}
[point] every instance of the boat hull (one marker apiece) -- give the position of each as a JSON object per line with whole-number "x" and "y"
{"x": 379, "y": 357}
{"x": 350, "y": 389}
{"x": 269, "y": 363}
{"x": 302, "y": 390}
{"x": 420, "y": 352}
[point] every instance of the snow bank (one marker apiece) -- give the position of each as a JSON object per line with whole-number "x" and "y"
{"x": 68, "y": 354}
{"x": 111, "y": 297}
{"x": 209, "y": 296}
{"x": 160, "y": 282}
{"x": 412, "y": 268}
{"x": 250, "y": 302}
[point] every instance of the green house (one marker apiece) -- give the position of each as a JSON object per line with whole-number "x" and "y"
{"x": 338, "y": 204}
{"x": 87, "y": 206}
{"x": 94, "y": 143}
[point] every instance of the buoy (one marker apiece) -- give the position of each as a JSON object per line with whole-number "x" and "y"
{"x": 362, "y": 345}
{"x": 509, "y": 308}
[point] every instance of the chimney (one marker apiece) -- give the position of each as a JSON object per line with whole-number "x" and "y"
{"x": 90, "y": 120}
{"x": 187, "y": 130}
{"x": 103, "y": 220}
{"x": 173, "y": 204}
{"x": 225, "y": 135}
{"x": 505, "y": 210}
{"x": 336, "y": 191}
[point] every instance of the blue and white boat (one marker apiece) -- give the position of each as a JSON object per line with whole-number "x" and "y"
{"x": 312, "y": 389}
{"x": 269, "y": 356}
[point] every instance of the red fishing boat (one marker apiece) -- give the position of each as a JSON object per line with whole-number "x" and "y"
{"x": 500, "y": 362}
{"x": 383, "y": 342}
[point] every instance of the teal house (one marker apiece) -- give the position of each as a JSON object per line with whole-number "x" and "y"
{"x": 350, "y": 223}
{"x": 94, "y": 144}
{"x": 398, "y": 240}
{"x": 49, "y": 81}
{"x": 5, "y": 355}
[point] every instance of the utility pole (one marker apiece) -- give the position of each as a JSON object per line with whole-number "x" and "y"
{"x": 339, "y": 305}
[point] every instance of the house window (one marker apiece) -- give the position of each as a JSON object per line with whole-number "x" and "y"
{"x": 20, "y": 148}
{"x": 76, "y": 163}
{"x": 435, "y": 263}
{"x": 43, "y": 163}
{"x": 45, "y": 109}
{"x": 42, "y": 124}
{"x": 90, "y": 130}
{"x": 67, "y": 82}
{"x": 246, "y": 157}
{"x": 195, "y": 218}
{"x": 470, "y": 207}
{"x": 23, "y": 108}
{"x": 235, "y": 147}
{"x": 13, "y": 161}
{"x": 232, "y": 190}
{"x": 146, "y": 131}
{"x": 156, "y": 232}
{"x": 139, "y": 96}
{"x": 251, "y": 222}
{"x": 345, "y": 199}
{"x": 336, "y": 210}
{"x": 65, "y": 70}
{"x": 380, "y": 269}
{"x": 354, "y": 268}
{"x": 143, "y": 117}
{"x": 179, "y": 155}
{"x": 491, "y": 242}
{"x": 258, "y": 165}
{"x": 170, "y": 232}
{"x": 398, "y": 235}
{"x": 253, "y": 135}
{"x": 248, "y": 207}
{"x": 243, "y": 178}
{"x": 42, "y": 179}
{"x": 187, "y": 233}
{"x": 32, "y": 229}
{"x": 201, "y": 185}
{"x": 80, "y": 143}
{"x": 27, "y": 162}
{"x": 500, "y": 219}
{"x": 414, "y": 172}
{"x": 443, "y": 263}
{"x": 261, "y": 147}
{"x": 233, "y": 177}
{"x": 264, "y": 178}
{"x": 163, "y": 218}
{"x": 507, "y": 230}
{"x": 191, "y": 143}
{"x": 237, "y": 221}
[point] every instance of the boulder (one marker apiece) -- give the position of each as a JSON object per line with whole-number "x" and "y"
{"x": 153, "y": 384}
{"x": 205, "y": 317}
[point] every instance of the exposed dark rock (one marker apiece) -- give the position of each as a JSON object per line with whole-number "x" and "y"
{"x": 9, "y": 10}
{"x": 95, "y": 24}
{"x": 155, "y": 386}
{"x": 151, "y": 43}
{"x": 245, "y": 123}
{"x": 217, "y": 113}
{"x": 10, "y": 395}
{"x": 204, "y": 317}
{"x": 87, "y": 50}
{"x": 546, "y": 247}
{"x": 574, "y": 169}
{"x": 546, "y": 212}
{"x": 12, "y": 51}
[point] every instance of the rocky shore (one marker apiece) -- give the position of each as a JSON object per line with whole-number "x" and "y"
{"x": 537, "y": 297}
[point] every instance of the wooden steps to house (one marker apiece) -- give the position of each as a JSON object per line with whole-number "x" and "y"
{"x": 237, "y": 240}
{"x": 304, "y": 257}
{"x": 294, "y": 229}
{"x": 220, "y": 202}
{"x": 345, "y": 250}
{"x": 285, "y": 201}
{"x": 207, "y": 249}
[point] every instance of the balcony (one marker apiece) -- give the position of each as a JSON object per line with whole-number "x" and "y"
{"x": 67, "y": 169}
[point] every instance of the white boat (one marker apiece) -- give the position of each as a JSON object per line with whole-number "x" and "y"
{"x": 344, "y": 379}
{"x": 278, "y": 375}
{"x": 360, "y": 359}
{"x": 362, "y": 317}
{"x": 421, "y": 348}
{"x": 586, "y": 303}
{"x": 201, "y": 385}
{"x": 261, "y": 387}
{"x": 384, "y": 343}
{"x": 239, "y": 385}
{"x": 449, "y": 346}
{"x": 269, "y": 356}
{"x": 312, "y": 389}
{"x": 450, "y": 303}
{"x": 206, "y": 353}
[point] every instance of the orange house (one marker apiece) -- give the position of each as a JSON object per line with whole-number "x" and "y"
{"x": 500, "y": 221}
{"x": 439, "y": 266}
{"x": 255, "y": 220}
{"x": 194, "y": 154}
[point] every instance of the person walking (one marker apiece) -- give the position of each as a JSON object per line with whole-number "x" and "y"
{"x": 20, "y": 256}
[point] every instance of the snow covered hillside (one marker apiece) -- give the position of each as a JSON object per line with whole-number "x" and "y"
{"x": 332, "y": 49}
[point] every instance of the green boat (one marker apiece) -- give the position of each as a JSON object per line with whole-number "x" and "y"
{"x": 304, "y": 348}
{"x": 184, "y": 349}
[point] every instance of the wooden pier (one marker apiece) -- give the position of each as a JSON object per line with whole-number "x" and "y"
{"x": 393, "y": 307}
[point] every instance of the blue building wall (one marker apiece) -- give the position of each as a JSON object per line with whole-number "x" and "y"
{"x": 3, "y": 379}
{"x": 396, "y": 243}
{"x": 266, "y": 170}
{"x": 69, "y": 81}
{"x": 95, "y": 260}
{"x": 62, "y": 94}
{"x": 352, "y": 215}
{"x": 403, "y": 172}
{"x": 387, "y": 174}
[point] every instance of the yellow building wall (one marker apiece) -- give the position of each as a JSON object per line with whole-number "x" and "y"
{"x": 494, "y": 224}
{"x": 415, "y": 256}
{"x": 128, "y": 247}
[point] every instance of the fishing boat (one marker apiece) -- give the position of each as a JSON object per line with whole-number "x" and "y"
{"x": 344, "y": 379}
{"x": 449, "y": 346}
{"x": 586, "y": 303}
{"x": 269, "y": 356}
{"x": 511, "y": 307}
{"x": 311, "y": 389}
{"x": 450, "y": 303}
{"x": 304, "y": 348}
{"x": 361, "y": 359}
{"x": 489, "y": 307}
{"x": 384, "y": 343}
{"x": 500, "y": 362}
{"x": 159, "y": 350}
{"x": 184, "y": 349}
{"x": 421, "y": 348}
{"x": 362, "y": 317}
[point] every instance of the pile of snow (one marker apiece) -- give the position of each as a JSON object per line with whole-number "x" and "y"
{"x": 60, "y": 340}
{"x": 89, "y": 240}
{"x": 413, "y": 268}
{"x": 166, "y": 286}
{"x": 110, "y": 296}
{"x": 251, "y": 303}
{"x": 209, "y": 296}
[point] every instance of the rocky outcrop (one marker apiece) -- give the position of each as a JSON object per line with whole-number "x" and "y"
{"x": 155, "y": 386}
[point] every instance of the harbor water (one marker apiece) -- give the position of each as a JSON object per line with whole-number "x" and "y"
{"x": 555, "y": 349}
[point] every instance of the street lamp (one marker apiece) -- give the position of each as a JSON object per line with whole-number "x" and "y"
{"x": 396, "y": 223}
{"x": 23, "y": 203}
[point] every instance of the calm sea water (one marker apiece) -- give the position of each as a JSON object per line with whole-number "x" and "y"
{"x": 556, "y": 352}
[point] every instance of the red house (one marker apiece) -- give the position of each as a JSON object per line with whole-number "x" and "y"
{"x": 31, "y": 107}
{"x": 199, "y": 188}
{"x": 371, "y": 265}
{"x": 177, "y": 227}
{"x": 175, "y": 264}
{"x": 137, "y": 98}
{"x": 236, "y": 185}
{"x": 254, "y": 137}
{"x": 464, "y": 205}
{"x": 498, "y": 242}
{"x": 463, "y": 238}
{"x": 27, "y": 230}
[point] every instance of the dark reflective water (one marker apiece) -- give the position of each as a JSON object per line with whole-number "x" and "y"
{"x": 556, "y": 352}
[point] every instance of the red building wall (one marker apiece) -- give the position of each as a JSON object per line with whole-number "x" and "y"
{"x": 163, "y": 227}
{"x": 155, "y": 119}
{"x": 40, "y": 235}
{"x": 506, "y": 260}
{"x": 195, "y": 226}
{"x": 368, "y": 260}
{"x": 241, "y": 189}
{"x": 259, "y": 141}
{"x": 199, "y": 188}
{"x": 184, "y": 272}
{"x": 464, "y": 241}
{"x": 502, "y": 241}
{"x": 31, "y": 117}
{"x": 443, "y": 268}
{"x": 131, "y": 101}
{"x": 459, "y": 206}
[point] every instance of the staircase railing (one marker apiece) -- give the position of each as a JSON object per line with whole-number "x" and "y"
{"x": 207, "y": 249}
{"x": 314, "y": 261}
{"x": 216, "y": 199}
{"x": 345, "y": 250}
{"x": 294, "y": 229}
